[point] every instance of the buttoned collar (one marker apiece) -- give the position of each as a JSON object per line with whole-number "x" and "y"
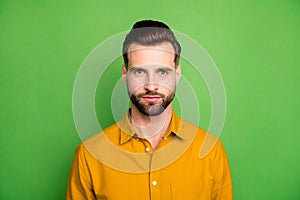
{"x": 127, "y": 132}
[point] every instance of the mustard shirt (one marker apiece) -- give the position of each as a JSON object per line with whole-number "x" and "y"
{"x": 116, "y": 164}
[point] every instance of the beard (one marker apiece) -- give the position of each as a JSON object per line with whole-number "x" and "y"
{"x": 152, "y": 108}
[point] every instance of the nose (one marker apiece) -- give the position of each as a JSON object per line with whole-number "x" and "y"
{"x": 150, "y": 83}
{"x": 150, "y": 86}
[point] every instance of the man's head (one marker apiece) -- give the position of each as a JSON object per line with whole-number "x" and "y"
{"x": 151, "y": 66}
{"x": 150, "y": 33}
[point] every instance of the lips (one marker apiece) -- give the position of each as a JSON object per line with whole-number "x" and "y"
{"x": 151, "y": 98}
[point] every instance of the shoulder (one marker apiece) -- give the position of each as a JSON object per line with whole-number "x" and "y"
{"x": 99, "y": 142}
{"x": 110, "y": 132}
{"x": 208, "y": 143}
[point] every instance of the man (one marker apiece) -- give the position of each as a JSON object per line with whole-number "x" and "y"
{"x": 151, "y": 153}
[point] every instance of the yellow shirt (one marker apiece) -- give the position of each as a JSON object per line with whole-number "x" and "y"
{"x": 117, "y": 165}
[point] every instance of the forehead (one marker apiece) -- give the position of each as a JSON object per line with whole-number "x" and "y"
{"x": 161, "y": 54}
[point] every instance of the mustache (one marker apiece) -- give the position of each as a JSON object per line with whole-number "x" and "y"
{"x": 151, "y": 93}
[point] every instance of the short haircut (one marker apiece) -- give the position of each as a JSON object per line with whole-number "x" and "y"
{"x": 148, "y": 33}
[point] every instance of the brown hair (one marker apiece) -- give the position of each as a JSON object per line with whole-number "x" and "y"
{"x": 149, "y": 32}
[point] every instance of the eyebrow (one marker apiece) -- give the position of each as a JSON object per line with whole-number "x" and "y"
{"x": 135, "y": 68}
{"x": 166, "y": 69}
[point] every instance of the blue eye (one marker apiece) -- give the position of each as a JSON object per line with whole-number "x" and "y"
{"x": 163, "y": 72}
{"x": 138, "y": 71}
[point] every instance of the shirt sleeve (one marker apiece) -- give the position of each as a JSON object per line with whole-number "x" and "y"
{"x": 80, "y": 181}
{"x": 222, "y": 185}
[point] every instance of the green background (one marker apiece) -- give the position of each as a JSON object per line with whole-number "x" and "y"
{"x": 254, "y": 44}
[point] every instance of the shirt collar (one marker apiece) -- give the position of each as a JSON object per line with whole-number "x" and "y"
{"x": 127, "y": 131}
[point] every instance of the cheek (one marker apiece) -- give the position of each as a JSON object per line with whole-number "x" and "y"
{"x": 169, "y": 89}
{"x": 168, "y": 85}
{"x": 134, "y": 86}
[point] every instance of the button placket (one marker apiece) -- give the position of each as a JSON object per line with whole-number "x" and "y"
{"x": 154, "y": 179}
{"x": 154, "y": 182}
{"x": 147, "y": 149}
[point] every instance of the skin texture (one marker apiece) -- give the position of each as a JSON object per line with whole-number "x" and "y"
{"x": 151, "y": 80}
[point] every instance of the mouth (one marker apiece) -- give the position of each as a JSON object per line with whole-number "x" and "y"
{"x": 151, "y": 98}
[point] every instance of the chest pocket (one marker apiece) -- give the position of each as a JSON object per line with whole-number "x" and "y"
{"x": 191, "y": 189}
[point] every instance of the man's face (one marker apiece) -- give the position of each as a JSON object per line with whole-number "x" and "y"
{"x": 151, "y": 77}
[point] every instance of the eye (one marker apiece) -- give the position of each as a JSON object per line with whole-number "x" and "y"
{"x": 139, "y": 71}
{"x": 163, "y": 72}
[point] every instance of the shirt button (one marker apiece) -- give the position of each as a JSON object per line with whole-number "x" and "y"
{"x": 147, "y": 149}
{"x": 154, "y": 183}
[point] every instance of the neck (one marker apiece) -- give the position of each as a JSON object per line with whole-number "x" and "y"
{"x": 151, "y": 127}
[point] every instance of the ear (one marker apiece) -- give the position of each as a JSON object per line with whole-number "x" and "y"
{"x": 124, "y": 71}
{"x": 178, "y": 73}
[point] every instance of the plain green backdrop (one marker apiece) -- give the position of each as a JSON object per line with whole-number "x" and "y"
{"x": 255, "y": 45}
